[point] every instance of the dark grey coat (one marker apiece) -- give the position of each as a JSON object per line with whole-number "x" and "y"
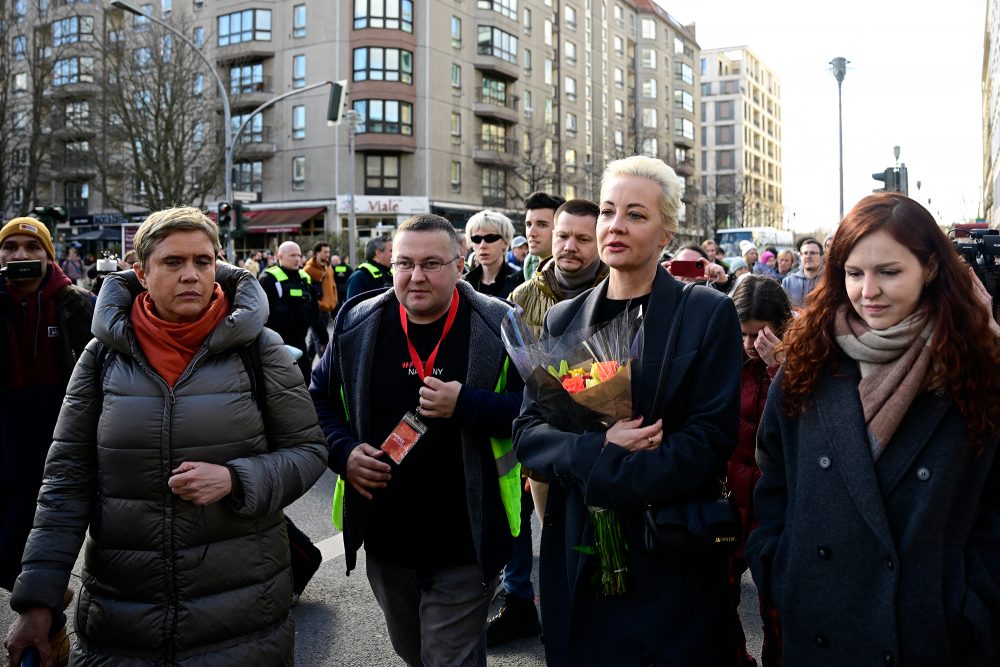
{"x": 894, "y": 562}
{"x": 166, "y": 582}
{"x": 676, "y": 612}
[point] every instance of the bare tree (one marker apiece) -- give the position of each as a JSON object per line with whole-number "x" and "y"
{"x": 159, "y": 115}
{"x": 8, "y": 180}
{"x": 534, "y": 167}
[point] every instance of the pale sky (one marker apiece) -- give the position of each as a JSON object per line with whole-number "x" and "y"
{"x": 914, "y": 80}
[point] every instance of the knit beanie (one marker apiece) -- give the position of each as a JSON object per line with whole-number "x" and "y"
{"x": 29, "y": 227}
{"x": 746, "y": 246}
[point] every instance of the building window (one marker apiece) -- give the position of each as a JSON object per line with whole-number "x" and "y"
{"x": 725, "y": 184}
{"x": 21, "y": 82}
{"x": 456, "y": 76}
{"x": 249, "y": 176}
{"x": 547, "y": 71}
{"x": 683, "y": 101}
{"x": 619, "y": 14}
{"x": 678, "y": 46}
{"x": 456, "y": 32}
{"x": 547, "y": 32}
{"x": 198, "y": 4}
{"x": 528, "y": 105}
{"x": 619, "y": 77}
{"x": 493, "y": 137}
{"x": 198, "y": 135}
{"x": 683, "y": 72}
{"x": 298, "y": 71}
{"x": 619, "y": 140}
{"x": 456, "y": 176}
{"x": 253, "y": 133}
{"x": 199, "y": 84}
{"x": 495, "y": 42}
{"x": 385, "y": 116}
{"x": 245, "y": 79}
{"x": 725, "y": 135}
{"x": 570, "y": 88}
{"x": 649, "y": 88}
{"x": 619, "y": 107}
{"x": 381, "y": 174}
{"x": 299, "y": 172}
{"x": 380, "y": 64}
{"x": 648, "y": 28}
{"x": 494, "y": 91}
{"x": 299, "y": 27}
{"x": 73, "y": 70}
{"x": 20, "y": 47}
{"x": 246, "y": 26}
{"x": 730, "y": 87}
{"x": 725, "y": 159}
{"x": 78, "y": 113}
{"x": 570, "y": 52}
{"x": 299, "y": 121}
{"x": 456, "y": 127}
{"x": 527, "y": 20}
{"x": 388, "y": 14}
{"x": 650, "y": 118}
{"x": 650, "y": 146}
{"x": 527, "y": 61}
{"x": 724, "y": 110}
{"x": 649, "y": 58}
{"x": 619, "y": 45}
{"x": 570, "y": 123}
{"x": 569, "y": 15}
{"x": 569, "y": 160}
{"x": 72, "y": 29}
{"x": 198, "y": 36}
{"x": 141, "y": 22}
{"x": 506, "y": 8}
{"x": 706, "y": 89}
{"x": 76, "y": 194}
{"x": 684, "y": 127}
{"x": 20, "y": 9}
{"x": 494, "y": 186}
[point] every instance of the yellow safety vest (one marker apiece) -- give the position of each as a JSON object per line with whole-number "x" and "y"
{"x": 280, "y": 275}
{"x": 508, "y": 471}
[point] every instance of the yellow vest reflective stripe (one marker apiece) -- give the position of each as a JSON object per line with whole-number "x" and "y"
{"x": 340, "y": 268}
{"x": 280, "y": 275}
{"x": 375, "y": 272}
{"x": 508, "y": 471}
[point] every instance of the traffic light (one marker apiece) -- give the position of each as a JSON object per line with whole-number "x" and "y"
{"x": 225, "y": 215}
{"x": 338, "y": 98}
{"x": 888, "y": 177}
{"x": 239, "y": 219}
{"x": 50, "y": 216}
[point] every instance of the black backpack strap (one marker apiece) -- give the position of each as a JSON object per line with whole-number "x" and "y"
{"x": 254, "y": 365}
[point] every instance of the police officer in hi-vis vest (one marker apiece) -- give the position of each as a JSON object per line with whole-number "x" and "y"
{"x": 374, "y": 273}
{"x": 290, "y": 300}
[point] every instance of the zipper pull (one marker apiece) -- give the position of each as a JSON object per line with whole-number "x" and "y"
{"x": 170, "y": 390}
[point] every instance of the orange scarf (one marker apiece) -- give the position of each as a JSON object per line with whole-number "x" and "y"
{"x": 169, "y": 347}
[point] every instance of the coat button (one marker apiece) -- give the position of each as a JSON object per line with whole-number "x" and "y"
{"x": 890, "y": 563}
{"x": 923, "y": 474}
{"x": 888, "y": 659}
{"x": 825, "y": 462}
{"x": 822, "y": 641}
{"x": 824, "y": 553}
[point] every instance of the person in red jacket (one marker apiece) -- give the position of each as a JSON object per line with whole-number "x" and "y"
{"x": 764, "y": 311}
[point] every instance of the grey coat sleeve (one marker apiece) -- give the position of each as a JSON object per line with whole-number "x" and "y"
{"x": 67, "y": 496}
{"x": 297, "y": 449}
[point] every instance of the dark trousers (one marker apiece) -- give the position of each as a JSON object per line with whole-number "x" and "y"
{"x": 770, "y": 653}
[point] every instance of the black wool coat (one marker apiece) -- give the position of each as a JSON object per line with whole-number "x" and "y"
{"x": 676, "y": 612}
{"x": 877, "y": 563}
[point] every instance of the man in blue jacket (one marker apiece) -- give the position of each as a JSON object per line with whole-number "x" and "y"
{"x": 437, "y": 524}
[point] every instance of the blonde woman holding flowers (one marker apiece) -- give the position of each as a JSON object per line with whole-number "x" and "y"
{"x": 674, "y": 610}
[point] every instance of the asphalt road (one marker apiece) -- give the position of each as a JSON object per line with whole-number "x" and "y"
{"x": 338, "y": 622}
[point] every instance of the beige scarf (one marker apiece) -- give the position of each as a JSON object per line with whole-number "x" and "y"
{"x": 894, "y": 364}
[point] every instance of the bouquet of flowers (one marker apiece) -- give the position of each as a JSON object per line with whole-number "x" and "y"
{"x": 582, "y": 381}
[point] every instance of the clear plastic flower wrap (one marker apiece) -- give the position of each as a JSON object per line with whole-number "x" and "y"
{"x": 582, "y": 381}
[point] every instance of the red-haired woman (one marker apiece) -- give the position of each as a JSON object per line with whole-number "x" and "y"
{"x": 879, "y": 504}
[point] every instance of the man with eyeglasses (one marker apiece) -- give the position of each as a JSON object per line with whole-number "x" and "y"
{"x": 798, "y": 284}
{"x": 436, "y": 506}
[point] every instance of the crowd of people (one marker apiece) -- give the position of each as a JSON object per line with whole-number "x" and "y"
{"x": 835, "y": 399}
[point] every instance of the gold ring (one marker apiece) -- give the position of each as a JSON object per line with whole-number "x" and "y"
{"x": 650, "y": 439}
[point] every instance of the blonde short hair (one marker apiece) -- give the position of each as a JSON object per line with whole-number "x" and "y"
{"x": 490, "y": 222}
{"x": 654, "y": 170}
{"x": 161, "y": 224}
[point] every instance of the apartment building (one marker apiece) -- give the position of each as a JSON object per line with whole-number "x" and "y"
{"x": 740, "y": 141}
{"x": 465, "y": 104}
{"x": 991, "y": 114}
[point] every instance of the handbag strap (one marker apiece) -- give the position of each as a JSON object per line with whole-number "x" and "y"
{"x": 668, "y": 353}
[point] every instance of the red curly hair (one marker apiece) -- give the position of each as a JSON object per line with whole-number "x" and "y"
{"x": 966, "y": 352}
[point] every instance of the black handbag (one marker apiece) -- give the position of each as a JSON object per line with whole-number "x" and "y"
{"x": 689, "y": 527}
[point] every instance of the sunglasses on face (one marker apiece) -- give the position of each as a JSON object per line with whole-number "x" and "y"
{"x": 489, "y": 238}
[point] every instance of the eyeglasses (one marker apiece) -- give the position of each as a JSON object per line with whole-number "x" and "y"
{"x": 430, "y": 266}
{"x": 489, "y": 238}
{"x": 810, "y": 252}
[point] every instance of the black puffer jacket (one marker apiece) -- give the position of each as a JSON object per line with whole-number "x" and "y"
{"x": 166, "y": 582}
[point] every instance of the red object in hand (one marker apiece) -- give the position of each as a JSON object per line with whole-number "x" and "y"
{"x": 574, "y": 384}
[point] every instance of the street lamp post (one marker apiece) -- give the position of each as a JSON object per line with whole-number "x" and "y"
{"x": 839, "y": 71}
{"x": 353, "y": 119}
{"x": 226, "y": 113}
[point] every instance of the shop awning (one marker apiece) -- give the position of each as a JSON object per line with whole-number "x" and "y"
{"x": 106, "y": 234}
{"x": 279, "y": 220}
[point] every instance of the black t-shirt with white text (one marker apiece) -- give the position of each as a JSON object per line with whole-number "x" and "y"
{"x": 420, "y": 520}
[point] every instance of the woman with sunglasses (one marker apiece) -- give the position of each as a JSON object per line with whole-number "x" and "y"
{"x": 879, "y": 501}
{"x": 490, "y": 234}
{"x": 676, "y": 609}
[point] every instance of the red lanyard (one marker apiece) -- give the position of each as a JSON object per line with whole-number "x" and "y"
{"x": 414, "y": 357}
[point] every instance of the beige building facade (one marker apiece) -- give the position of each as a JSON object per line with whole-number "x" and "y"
{"x": 741, "y": 178}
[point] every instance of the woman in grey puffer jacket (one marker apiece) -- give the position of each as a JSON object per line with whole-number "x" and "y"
{"x": 181, "y": 568}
